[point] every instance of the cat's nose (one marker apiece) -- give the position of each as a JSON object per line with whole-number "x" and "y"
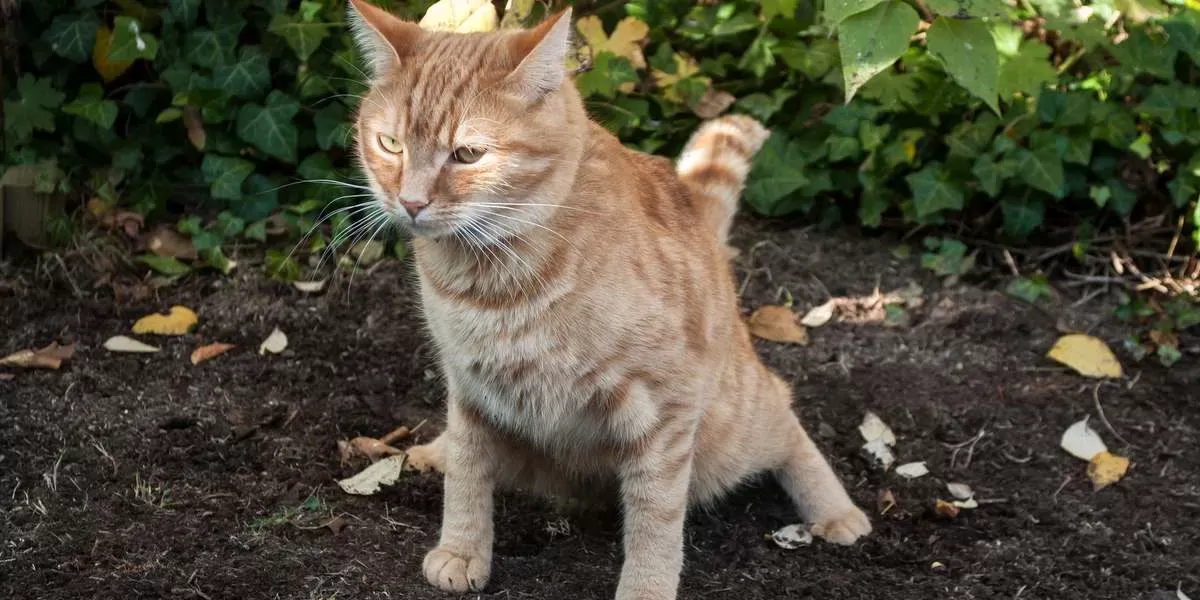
{"x": 413, "y": 207}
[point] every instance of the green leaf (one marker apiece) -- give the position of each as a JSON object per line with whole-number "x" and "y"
{"x": 1028, "y": 73}
{"x": 842, "y": 148}
{"x": 896, "y": 92}
{"x": 776, "y": 8}
{"x": 304, "y": 37}
{"x": 333, "y": 126}
{"x": 764, "y": 106}
{"x": 92, "y": 107}
{"x": 1140, "y": 53}
{"x": 72, "y": 35}
{"x": 1183, "y": 32}
{"x": 216, "y": 259}
{"x": 166, "y": 265}
{"x": 964, "y": 9}
{"x": 1141, "y": 146}
{"x": 184, "y": 11}
{"x": 760, "y": 56}
{"x": 967, "y": 50}
{"x": 129, "y": 41}
{"x": 947, "y": 257}
{"x": 281, "y": 266}
{"x": 1030, "y": 289}
{"x": 31, "y": 111}
{"x": 261, "y": 199}
{"x": 992, "y": 173}
{"x": 228, "y": 225}
{"x": 248, "y": 77}
{"x": 256, "y": 231}
{"x": 778, "y": 171}
{"x": 871, "y": 41}
{"x": 814, "y": 60}
{"x": 211, "y": 48}
{"x": 933, "y": 192}
{"x": 1042, "y": 168}
{"x": 837, "y": 10}
{"x": 225, "y": 175}
{"x": 607, "y": 74}
{"x": 1022, "y": 217}
{"x": 1079, "y": 149}
{"x": 270, "y": 127}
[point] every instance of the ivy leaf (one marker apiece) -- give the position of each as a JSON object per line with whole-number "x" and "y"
{"x": 967, "y": 50}
{"x": 166, "y": 265}
{"x": 1022, "y": 217}
{"x": 992, "y": 173}
{"x": 129, "y": 42}
{"x": 270, "y": 127}
{"x": 92, "y": 107}
{"x": 247, "y": 77}
{"x": 965, "y": 9}
{"x": 1183, "y": 32}
{"x": 225, "y": 175}
{"x": 933, "y": 192}
{"x": 814, "y": 60}
{"x": 184, "y": 11}
{"x": 304, "y": 37}
{"x": 211, "y": 48}
{"x": 895, "y": 92}
{"x": 776, "y": 8}
{"x": 836, "y": 11}
{"x": 1042, "y": 168}
{"x": 842, "y": 148}
{"x": 1140, "y": 53}
{"x": 777, "y": 173}
{"x": 72, "y": 36}
{"x": 333, "y": 126}
{"x": 609, "y": 72}
{"x": 1029, "y": 72}
{"x": 31, "y": 111}
{"x": 871, "y": 41}
{"x": 1079, "y": 149}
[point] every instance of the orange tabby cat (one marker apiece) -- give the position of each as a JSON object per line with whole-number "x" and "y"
{"x": 581, "y": 299}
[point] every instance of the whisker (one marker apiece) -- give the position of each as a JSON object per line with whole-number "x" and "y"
{"x": 370, "y": 239}
{"x": 325, "y": 217}
{"x": 533, "y": 224}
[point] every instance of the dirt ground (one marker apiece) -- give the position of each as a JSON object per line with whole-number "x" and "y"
{"x": 142, "y": 476}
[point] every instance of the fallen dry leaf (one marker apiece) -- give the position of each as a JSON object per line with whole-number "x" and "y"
{"x": 179, "y": 321}
{"x": 1089, "y": 356}
{"x": 912, "y": 470}
{"x": 1179, "y": 593}
{"x": 778, "y": 324}
{"x": 275, "y": 343}
{"x": 961, "y": 491}
{"x": 969, "y": 503}
{"x": 120, "y": 343}
{"x": 166, "y": 241}
{"x": 945, "y": 509}
{"x": 879, "y": 451}
{"x": 193, "y": 120}
{"x": 7, "y": 376}
{"x": 713, "y": 103}
{"x": 336, "y": 524}
{"x": 462, "y": 16}
{"x": 309, "y": 287}
{"x": 369, "y": 480}
{"x": 129, "y": 222}
{"x": 885, "y": 502}
{"x": 873, "y": 428}
{"x": 1081, "y": 441}
{"x": 210, "y": 351}
{"x": 50, "y": 357}
{"x": 819, "y": 315}
{"x": 397, "y": 434}
{"x": 792, "y": 537}
{"x": 368, "y": 447}
{"x": 1105, "y": 469}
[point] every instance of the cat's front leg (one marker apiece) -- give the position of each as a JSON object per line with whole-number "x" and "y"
{"x": 654, "y": 493}
{"x": 462, "y": 560}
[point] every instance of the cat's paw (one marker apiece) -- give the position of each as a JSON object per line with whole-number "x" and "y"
{"x": 454, "y": 571}
{"x": 424, "y": 458}
{"x": 845, "y": 528}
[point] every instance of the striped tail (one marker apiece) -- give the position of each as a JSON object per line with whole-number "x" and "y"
{"x": 714, "y": 165}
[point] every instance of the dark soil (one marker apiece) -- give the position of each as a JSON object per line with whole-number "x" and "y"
{"x": 142, "y": 476}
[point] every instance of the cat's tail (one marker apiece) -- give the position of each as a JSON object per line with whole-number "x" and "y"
{"x": 714, "y": 165}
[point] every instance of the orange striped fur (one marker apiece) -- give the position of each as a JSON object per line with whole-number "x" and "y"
{"x": 580, "y": 297}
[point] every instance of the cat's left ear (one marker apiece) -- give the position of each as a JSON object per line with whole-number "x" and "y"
{"x": 542, "y": 52}
{"x": 382, "y": 37}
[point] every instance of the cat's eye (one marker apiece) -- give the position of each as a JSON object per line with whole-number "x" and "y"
{"x": 467, "y": 155}
{"x": 390, "y": 144}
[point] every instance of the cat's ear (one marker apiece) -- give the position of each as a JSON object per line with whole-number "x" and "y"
{"x": 542, "y": 52}
{"x": 383, "y": 38}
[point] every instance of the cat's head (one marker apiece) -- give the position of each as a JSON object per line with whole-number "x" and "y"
{"x": 464, "y": 134}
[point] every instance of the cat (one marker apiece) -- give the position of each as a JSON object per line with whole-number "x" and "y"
{"x": 581, "y": 298}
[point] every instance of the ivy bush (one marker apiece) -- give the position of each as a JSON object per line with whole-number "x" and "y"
{"x": 1013, "y": 118}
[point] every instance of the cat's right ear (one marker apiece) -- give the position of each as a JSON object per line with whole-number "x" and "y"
{"x": 383, "y": 38}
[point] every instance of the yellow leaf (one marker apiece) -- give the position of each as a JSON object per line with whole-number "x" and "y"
{"x": 626, "y": 40}
{"x": 210, "y": 351}
{"x": 1106, "y": 468}
{"x": 945, "y": 509}
{"x": 108, "y": 69}
{"x": 685, "y": 66}
{"x": 179, "y": 321}
{"x": 515, "y": 13}
{"x": 50, "y": 357}
{"x": 1087, "y": 355}
{"x": 778, "y": 324}
{"x": 462, "y": 16}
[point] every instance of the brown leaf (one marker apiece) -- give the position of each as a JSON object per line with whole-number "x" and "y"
{"x": 336, "y": 525}
{"x": 50, "y": 357}
{"x": 946, "y": 509}
{"x": 713, "y": 103}
{"x": 368, "y": 447}
{"x": 1106, "y": 469}
{"x": 129, "y": 222}
{"x": 395, "y": 435}
{"x": 210, "y": 351}
{"x": 166, "y": 241}
{"x": 778, "y": 324}
{"x": 885, "y": 502}
{"x": 194, "y": 122}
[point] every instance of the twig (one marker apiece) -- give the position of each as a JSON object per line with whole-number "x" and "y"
{"x": 1061, "y": 488}
{"x": 1103, "y": 419}
{"x": 67, "y": 272}
{"x": 969, "y": 445}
